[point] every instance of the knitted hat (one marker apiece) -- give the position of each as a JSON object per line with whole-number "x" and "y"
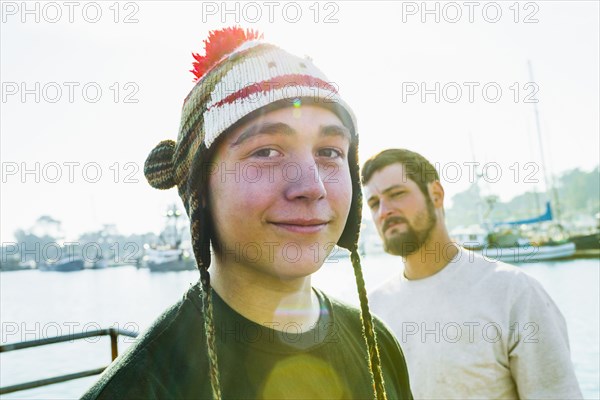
{"x": 239, "y": 77}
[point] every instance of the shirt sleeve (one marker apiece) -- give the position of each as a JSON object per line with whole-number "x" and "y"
{"x": 539, "y": 355}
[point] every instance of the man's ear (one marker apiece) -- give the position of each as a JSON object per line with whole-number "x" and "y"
{"x": 436, "y": 191}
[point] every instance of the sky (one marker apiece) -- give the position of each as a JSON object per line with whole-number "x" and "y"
{"x": 89, "y": 88}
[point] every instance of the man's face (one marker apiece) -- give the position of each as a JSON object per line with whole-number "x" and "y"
{"x": 403, "y": 215}
{"x": 281, "y": 191}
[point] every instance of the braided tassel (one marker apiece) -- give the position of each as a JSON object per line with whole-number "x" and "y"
{"x": 368, "y": 330}
{"x": 209, "y": 328}
{"x": 207, "y": 308}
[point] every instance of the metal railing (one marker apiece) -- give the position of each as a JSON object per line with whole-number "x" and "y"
{"x": 112, "y": 332}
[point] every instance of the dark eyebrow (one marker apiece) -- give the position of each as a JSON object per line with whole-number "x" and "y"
{"x": 335, "y": 130}
{"x": 386, "y": 191}
{"x": 372, "y": 198}
{"x": 393, "y": 187}
{"x": 265, "y": 128}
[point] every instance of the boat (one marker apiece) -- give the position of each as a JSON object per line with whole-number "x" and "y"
{"x": 15, "y": 264}
{"x": 508, "y": 246}
{"x": 530, "y": 252}
{"x": 101, "y": 263}
{"x": 526, "y": 240}
{"x": 170, "y": 255}
{"x": 588, "y": 244}
{"x": 162, "y": 259}
{"x": 64, "y": 264}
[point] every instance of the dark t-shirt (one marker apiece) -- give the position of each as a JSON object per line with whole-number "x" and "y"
{"x": 328, "y": 360}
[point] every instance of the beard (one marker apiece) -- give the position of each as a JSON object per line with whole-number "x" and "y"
{"x": 409, "y": 242}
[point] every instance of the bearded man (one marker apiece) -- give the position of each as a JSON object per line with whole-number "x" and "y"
{"x": 470, "y": 328}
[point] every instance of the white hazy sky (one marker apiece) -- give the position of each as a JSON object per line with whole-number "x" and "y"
{"x": 373, "y": 51}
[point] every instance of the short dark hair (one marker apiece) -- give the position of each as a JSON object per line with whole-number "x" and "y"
{"x": 417, "y": 167}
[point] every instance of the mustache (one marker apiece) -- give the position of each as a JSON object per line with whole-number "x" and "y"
{"x": 393, "y": 220}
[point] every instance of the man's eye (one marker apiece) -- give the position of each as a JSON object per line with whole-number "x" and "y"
{"x": 373, "y": 205}
{"x": 329, "y": 153}
{"x": 397, "y": 194}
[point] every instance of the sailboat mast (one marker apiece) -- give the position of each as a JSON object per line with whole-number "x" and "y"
{"x": 549, "y": 187}
{"x": 477, "y": 176}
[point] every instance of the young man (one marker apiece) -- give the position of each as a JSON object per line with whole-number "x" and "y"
{"x": 260, "y": 135}
{"x": 470, "y": 328}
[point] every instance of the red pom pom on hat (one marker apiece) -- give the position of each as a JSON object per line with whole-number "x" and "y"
{"x": 218, "y": 44}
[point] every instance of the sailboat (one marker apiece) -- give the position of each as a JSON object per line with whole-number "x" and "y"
{"x": 67, "y": 261}
{"x": 525, "y": 240}
{"x": 170, "y": 255}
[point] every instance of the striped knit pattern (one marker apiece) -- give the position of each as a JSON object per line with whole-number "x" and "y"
{"x": 159, "y": 165}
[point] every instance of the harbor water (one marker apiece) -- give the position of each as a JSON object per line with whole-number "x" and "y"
{"x": 35, "y": 304}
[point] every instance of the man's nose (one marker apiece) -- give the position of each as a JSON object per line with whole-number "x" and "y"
{"x": 384, "y": 210}
{"x": 304, "y": 180}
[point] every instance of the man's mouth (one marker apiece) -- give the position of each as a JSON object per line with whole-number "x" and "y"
{"x": 393, "y": 222}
